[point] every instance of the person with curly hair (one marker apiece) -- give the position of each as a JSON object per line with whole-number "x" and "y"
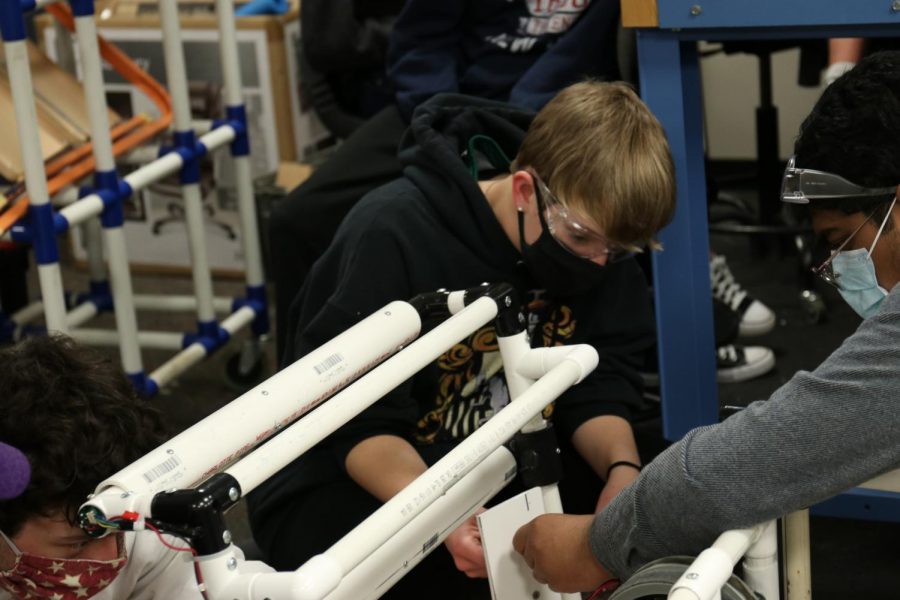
{"x": 77, "y": 419}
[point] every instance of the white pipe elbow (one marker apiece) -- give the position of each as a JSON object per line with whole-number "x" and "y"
{"x": 539, "y": 361}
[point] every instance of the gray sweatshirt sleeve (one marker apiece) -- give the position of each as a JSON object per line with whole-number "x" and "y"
{"x": 820, "y": 434}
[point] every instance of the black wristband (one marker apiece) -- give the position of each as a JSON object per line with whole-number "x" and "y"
{"x": 622, "y": 463}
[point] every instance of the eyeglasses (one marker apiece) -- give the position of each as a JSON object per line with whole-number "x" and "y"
{"x": 826, "y": 270}
{"x": 574, "y": 237}
{"x": 799, "y": 186}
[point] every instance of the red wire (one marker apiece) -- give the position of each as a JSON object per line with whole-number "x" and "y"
{"x": 606, "y": 586}
{"x": 167, "y": 544}
{"x": 197, "y": 573}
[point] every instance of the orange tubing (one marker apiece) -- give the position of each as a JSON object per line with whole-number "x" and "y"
{"x": 77, "y": 162}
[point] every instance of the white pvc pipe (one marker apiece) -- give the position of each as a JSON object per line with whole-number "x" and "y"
{"x": 217, "y": 137}
{"x": 170, "y": 163}
{"x": 193, "y": 214}
{"x": 238, "y": 320}
{"x": 93, "y": 241}
{"x": 158, "y": 340}
{"x": 537, "y": 361}
{"x": 514, "y": 350}
{"x": 322, "y": 573}
{"x": 309, "y": 431}
{"x": 156, "y": 171}
{"x": 178, "y": 364}
{"x": 176, "y": 77}
{"x": 234, "y": 97}
{"x": 244, "y": 423}
{"x": 140, "y": 155}
{"x": 28, "y": 313}
{"x": 396, "y": 557}
{"x": 53, "y": 297}
{"x": 704, "y": 578}
{"x": 249, "y": 226}
{"x": 760, "y": 564}
{"x": 123, "y": 299}
{"x": 228, "y": 49}
{"x": 94, "y": 92}
{"x": 82, "y": 210}
{"x": 196, "y": 352}
{"x": 19, "y": 74}
{"x": 161, "y": 303}
{"x": 81, "y": 314}
{"x": 228, "y": 577}
{"x": 65, "y": 196}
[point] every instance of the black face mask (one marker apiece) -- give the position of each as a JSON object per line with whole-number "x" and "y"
{"x": 560, "y": 272}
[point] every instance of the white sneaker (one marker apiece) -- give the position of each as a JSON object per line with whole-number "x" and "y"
{"x": 756, "y": 317}
{"x": 740, "y": 363}
{"x": 734, "y": 363}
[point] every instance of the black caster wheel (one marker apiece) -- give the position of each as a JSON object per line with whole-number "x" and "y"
{"x": 654, "y": 580}
{"x": 245, "y": 368}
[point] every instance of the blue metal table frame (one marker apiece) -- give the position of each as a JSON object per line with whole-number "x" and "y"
{"x": 670, "y": 85}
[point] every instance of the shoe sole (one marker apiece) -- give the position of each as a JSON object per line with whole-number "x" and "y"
{"x": 738, "y": 374}
{"x": 756, "y": 329}
{"x": 734, "y": 375}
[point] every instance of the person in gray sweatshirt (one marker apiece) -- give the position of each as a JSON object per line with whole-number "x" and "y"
{"x": 821, "y": 433}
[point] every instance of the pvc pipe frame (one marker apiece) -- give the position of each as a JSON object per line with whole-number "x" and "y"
{"x": 704, "y": 578}
{"x": 393, "y": 559}
{"x": 149, "y": 302}
{"x": 35, "y": 182}
{"x": 91, "y": 206}
{"x": 189, "y": 458}
{"x": 104, "y": 160}
{"x": 323, "y": 575}
{"x": 176, "y": 77}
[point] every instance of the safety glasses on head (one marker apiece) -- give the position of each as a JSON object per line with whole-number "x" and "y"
{"x": 799, "y": 186}
{"x": 575, "y": 237}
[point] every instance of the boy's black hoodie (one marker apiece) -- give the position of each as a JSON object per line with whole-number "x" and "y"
{"x": 434, "y": 229}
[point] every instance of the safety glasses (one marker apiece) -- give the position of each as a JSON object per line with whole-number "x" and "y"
{"x": 572, "y": 235}
{"x": 799, "y": 186}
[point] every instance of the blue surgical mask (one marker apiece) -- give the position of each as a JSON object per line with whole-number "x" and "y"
{"x": 859, "y": 285}
{"x": 855, "y": 272}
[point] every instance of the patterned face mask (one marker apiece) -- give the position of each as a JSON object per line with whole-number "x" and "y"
{"x": 33, "y": 576}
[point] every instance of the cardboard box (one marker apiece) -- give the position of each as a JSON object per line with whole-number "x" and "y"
{"x": 62, "y": 116}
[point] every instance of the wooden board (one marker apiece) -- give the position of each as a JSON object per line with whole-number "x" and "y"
{"x": 61, "y": 112}
{"x": 640, "y": 13}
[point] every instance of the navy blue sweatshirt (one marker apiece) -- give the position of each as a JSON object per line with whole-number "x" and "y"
{"x": 431, "y": 229}
{"x": 518, "y": 51}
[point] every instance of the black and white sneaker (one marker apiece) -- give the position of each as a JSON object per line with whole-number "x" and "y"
{"x": 739, "y": 363}
{"x": 734, "y": 363}
{"x": 756, "y": 317}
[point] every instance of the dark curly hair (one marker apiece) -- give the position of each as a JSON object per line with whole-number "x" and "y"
{"x": 76, "y": 417}
{"x": 854, "y": 131}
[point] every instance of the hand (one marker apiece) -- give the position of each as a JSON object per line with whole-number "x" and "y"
{"x": 557, "y": 550}
{"x": 464, "y": 544}
{"x": 619, "y": 479}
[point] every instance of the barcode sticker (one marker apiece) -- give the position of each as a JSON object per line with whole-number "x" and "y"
{"x": 158, "y": 471}
{"x": 328, "y": 363}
